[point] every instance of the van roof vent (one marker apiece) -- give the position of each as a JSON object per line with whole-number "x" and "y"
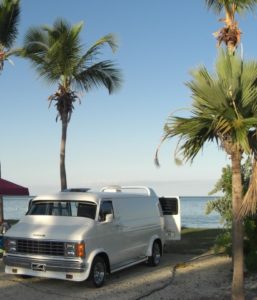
{"x": 112, "y": 189}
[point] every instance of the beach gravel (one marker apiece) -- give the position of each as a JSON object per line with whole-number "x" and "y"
{"x": 208, "y": 277}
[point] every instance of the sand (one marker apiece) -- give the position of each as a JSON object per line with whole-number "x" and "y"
{"x": 208, "y": 277}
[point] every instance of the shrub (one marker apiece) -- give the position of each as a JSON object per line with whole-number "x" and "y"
{"x": 223, "y": 206}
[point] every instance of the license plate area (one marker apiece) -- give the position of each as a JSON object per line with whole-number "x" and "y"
{"x": 38, "y": 267}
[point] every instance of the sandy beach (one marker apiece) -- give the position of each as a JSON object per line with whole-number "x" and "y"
{"x": 208, "y": 277}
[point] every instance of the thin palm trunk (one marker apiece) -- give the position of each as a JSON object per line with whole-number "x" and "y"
{"x": 237, "y": 228}
{"x": 62, "y": 153}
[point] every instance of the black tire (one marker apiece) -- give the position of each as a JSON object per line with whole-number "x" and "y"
{"x": 98, "y": 272}
{"x": 155, "y": 258}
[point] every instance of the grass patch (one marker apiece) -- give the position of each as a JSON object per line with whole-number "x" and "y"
{"x": 194, "y": 241}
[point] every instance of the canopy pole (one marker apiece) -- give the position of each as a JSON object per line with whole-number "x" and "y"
{"x": 1, "y": 210}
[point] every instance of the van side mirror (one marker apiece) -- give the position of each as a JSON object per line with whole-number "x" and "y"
{"x": 108, "y": 218}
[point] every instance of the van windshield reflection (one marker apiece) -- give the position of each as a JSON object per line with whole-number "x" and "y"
{"x": 63, "y": 208}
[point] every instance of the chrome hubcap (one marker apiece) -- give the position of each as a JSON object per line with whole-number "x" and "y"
{"x": 99, "y": 273}
{"x": 156, "y": 254}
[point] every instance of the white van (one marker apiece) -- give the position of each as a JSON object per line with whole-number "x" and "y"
{"x": 78, "y": 234}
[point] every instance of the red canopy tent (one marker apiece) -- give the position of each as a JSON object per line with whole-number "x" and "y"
{"x": 8, "y": 188}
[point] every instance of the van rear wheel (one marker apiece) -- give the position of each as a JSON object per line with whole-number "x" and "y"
{"x": 98, "y": 272}
{"x": 155, "y": 258}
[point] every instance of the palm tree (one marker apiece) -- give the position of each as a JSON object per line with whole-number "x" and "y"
{"x": 223, "y": 111}
{"x": 57, "y": 54}
{"x": 230, "y": 34}
{"x": 9, "y": 19}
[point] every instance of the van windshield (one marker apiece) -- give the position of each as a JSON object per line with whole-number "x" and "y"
{"x": 63, "y": 208}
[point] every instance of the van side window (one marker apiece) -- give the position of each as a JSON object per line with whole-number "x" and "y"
{"x": 169, "y": 205}
{"x": 86, "y": 210}
{"x": 105, "y": 209}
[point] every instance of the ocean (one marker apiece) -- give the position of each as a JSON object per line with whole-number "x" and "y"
{"x": 192, "y": 211}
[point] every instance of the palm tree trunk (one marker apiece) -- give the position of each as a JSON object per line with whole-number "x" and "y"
{"x": 62, "y": 153}
{"x": 237, "y": 228}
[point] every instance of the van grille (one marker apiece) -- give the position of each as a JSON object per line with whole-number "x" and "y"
{"x": 40, "y": 247}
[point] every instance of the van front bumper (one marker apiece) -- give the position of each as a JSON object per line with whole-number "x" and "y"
{"x": 44, "y": 264}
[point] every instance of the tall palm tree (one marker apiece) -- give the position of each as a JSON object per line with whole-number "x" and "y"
{"x": 230, "y": 34}
{"x": 9, "y": 19}
{"x": 57, "y": 54}
{"x": 223, "y": 111}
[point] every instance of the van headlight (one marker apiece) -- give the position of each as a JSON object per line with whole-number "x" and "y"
{"x": 10, "y": 245}
{"x": 75, "y": 249}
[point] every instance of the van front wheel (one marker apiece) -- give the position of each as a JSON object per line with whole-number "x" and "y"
{"x": 98, "y": 272}
{"x": 155, "y": 258}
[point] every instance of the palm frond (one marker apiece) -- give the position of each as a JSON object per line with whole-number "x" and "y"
{"x": 222, "y": 109}
{"x": 9, "y": 20}
{"x": 104, "y": 73}
{"x": 215, "y": 5}
{"x": 36, "y": 43}
{"x": 249, "y": 204}
{"x": 241, "y": 5}
{"x": 193, "y": 133}
{"x": 108, "y": 39}
{"x": 245, "y": 5}
{"x": 206, "y": 90}
{"x": 156, "y": 156}
{"x": 95, "y": 50}
{"x": 56, "y": 52}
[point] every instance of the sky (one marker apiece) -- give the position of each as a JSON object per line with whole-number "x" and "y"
{"x": 112, "y": 138}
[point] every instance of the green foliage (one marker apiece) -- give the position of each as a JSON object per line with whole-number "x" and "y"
{"x": 250, "y": 243}
{"x": 251, "y": 229}
{"x": 223, "y": 206}
{"x": 223, "y": 109}
{"x": 251, "y": 261}
{"x": 241, "y": 5}
{"x": 58, "y": 55}
{"x": 223, "y": 243}
{"x": 9, "y": 19}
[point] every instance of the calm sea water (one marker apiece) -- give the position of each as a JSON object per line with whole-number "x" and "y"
{"x": 192, "y": 211}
